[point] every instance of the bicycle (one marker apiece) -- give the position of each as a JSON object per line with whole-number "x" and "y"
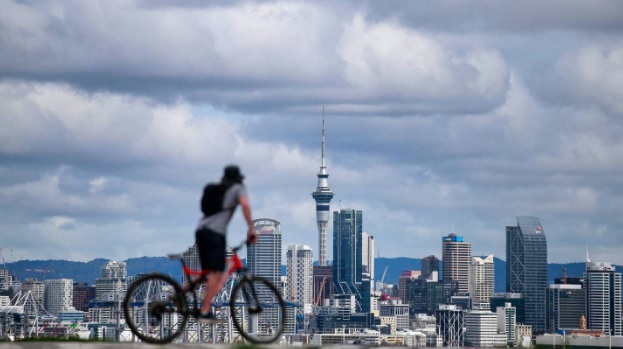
{"x": 157, "y": 308}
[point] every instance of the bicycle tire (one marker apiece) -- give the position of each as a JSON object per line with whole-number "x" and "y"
{"x": 149, "y": 311}
{"x": 267, "y": 323}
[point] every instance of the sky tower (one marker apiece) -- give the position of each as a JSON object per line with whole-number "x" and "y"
{"x": 323, "y": 196}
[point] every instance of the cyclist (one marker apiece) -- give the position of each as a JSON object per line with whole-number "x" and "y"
{"x": 211, "y": 234}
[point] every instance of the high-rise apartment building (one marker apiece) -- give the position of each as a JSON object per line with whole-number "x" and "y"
{"x": 367, "y": 273}
{"x": 113, "y": 279}
{"x": 347, "y": 252}
{"x": 322, "y": 195}
{"x": 507, "y": 322}
{"x": 526, "y": 268}
{"x": 603, "y": 298}
{"x": 58, "y": 295}
{"x": 367, "y": 252}
{"x": 456, "y": 255}
{"x": 482, "y": 280}
{"x": 299, "y": 268}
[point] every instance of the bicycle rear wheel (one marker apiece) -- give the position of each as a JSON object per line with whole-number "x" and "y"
{"x": 155, "y": 309}
{"x": 257, "y": 310}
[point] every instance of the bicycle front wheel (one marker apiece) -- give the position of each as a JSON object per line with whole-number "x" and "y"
{"x": 257, "y": 310}
{"x": 155, "y": 309}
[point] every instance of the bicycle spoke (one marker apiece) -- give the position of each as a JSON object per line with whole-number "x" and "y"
{"x": 258, "y": 311}
{"x": 154, "y": 310}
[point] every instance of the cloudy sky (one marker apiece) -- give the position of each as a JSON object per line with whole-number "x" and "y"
{"x": 440, "y": 116}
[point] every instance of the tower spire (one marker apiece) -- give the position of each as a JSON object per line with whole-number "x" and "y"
{"x": 322, "y": 195}
{"x": 323, "y": 141}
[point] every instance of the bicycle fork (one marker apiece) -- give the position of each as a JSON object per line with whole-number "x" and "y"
{"x": 250, "y": 295}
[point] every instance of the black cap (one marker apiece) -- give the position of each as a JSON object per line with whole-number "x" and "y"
{"x": 232, "y": 173}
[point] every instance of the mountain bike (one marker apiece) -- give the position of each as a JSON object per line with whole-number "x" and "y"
{"x": 157, "y": 308}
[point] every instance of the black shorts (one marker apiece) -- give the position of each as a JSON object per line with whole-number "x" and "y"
{"x": 211, "y": 246}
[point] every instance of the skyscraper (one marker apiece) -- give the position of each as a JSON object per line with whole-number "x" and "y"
{"x": 367, "y": 248}
{"x": 347, "y": 252}
{"x": 482, "y": 280}
{"x": 323, "y": 196}
{"x": 299, "y": 265}
{"x": 526, "y": 268}
{"x": 456, "y": 256}
{"x": 367, "y": 272}
{"x": 603, "y": 298}
{"x": 264, "y": 258}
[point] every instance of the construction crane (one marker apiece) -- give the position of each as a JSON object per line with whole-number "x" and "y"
{"x": 42, "y": 271}
{"x": 379, "y": 284}
{"x": 320, "y": 289}
{"x": 384, "y": 272}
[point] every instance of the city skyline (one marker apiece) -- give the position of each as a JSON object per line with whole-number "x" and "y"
{"x": 439, "y": 117}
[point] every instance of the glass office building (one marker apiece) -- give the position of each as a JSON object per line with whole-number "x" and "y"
{"x": 566, "y": 303}
{"x": 347, "y": 252}
{"x": 526, "y": 268}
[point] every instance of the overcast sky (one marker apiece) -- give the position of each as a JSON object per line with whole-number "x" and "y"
{"x": 440, "y": 116}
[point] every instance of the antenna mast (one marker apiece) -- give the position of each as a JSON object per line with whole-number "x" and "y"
{"x": 323, "y": 142}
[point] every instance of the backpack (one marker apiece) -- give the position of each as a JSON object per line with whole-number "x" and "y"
{"x": 212, "y": 200}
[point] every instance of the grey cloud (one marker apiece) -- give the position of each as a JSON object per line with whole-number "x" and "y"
{"x": 224, "y": 55}
{"x": 486, "y": 16}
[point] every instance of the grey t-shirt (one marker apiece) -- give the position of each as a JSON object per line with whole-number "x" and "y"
{"x": 218, "y": 222}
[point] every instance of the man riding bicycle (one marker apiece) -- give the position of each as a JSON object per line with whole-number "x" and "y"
{"x": 211, "y": 232}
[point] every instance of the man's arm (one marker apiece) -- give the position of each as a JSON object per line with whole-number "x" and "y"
{"x": 246, "y": 211}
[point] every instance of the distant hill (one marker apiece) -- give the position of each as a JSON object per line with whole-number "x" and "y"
{"x": 89, "y": 271}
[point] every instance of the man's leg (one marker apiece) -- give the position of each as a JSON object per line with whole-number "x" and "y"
{"x": 214, "y": 278}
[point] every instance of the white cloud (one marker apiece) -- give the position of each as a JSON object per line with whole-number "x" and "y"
{"x": 389, "y": 61}
{"x": 60, "y": 121}
{"x": 588, "y": 76}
